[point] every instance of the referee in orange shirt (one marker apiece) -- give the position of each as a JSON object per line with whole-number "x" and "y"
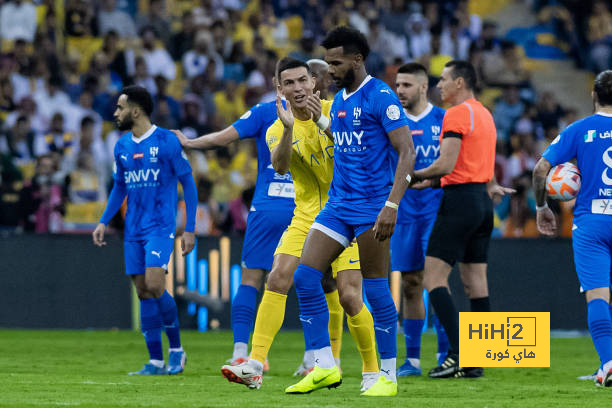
{"x": 463, "y": 226}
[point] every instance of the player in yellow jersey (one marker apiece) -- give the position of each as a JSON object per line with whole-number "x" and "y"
{"x": 298, "y": 145}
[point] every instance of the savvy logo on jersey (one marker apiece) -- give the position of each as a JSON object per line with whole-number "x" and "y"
{"x": 424, "y": 151}
{"x": 342, "y": 138}
{"x": 133, "y": 176}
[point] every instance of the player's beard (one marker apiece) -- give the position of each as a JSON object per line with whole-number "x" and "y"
{"x": 410, "y": 103}
{"x": 126, "y": 124}
{"x": 348, "y": 79}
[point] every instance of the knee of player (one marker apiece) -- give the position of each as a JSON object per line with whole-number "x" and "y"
{"x": 350, "y": 301}
{"x": 412, "y": 284}
{"x": 279, "y": 281}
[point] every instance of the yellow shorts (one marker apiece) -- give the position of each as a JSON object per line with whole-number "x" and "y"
{"x": 292, "y": 243}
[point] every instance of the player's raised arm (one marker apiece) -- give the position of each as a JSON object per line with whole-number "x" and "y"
{"x": 210, "y": 140}
{"x": 545, "y": 219}
{"x": 281, "y": 154}
{"x": 401, "y": 139}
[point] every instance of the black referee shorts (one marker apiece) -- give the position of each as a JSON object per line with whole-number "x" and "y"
{"x": 463, "y": 226}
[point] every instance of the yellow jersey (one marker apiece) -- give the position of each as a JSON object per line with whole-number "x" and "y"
{"x": 311, "y": 165}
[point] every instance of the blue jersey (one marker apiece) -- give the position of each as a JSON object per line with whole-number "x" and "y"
{"x": 363, "y": 160}
{"x": 589, "y": 141}
{"x": 149, "y": 168}
{"x": 425, "y": 130}
{"x": 273, "y": 191}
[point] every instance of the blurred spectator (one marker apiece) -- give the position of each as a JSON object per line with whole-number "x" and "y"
{"x": 454, "y": 41}
{"x": 395, "y": 17}
{"x": 115, "y": 57}
{"x": 22, "y": 57}
{"x": 27, "y": 107}
{"x": 7, "y": 104}
{"x": 72, "y": 84}
{"x": 523, "y": 156}
{"x": 228, "y": 181}
{"x": 51, "y": 99}
{"x": 358, "y": 18}
{"x": 105, "y": 80}
{"x": 239, "y": 211}
{"x": 162, "y": 116}
{"x": 42, "y": 200}
{"x": 521, "y": 217}
{"x": 600, "y": 37}
{"x": 388, "y": 45}
{"x": 472, "y": 22}
{"x": 84, "y": 108}
{"x": 230, "y": 103}
{"x": 110, "y": 18}
{"x": 306, "y": 47}
{"x": 194, "y": 117}
{"x": 507, "y": 111}
{"x": 18, "y": 20}
{"x": 207, "y": 213}
{"x": 56, "y": 140}
{"x": 196, "y": 60}
{"x": 80, "y": 20}
{"x": 157, "y": 17}
{"x": 549, "y": 112}
{"x": 182, "y": 41}
{"x": 142, "y": 76}
{"x": 19, "y": 142}
{"x": 419, "y": 36}
{"x": 506, "y": 68}
{"x": 159, "y": 61}
{"x": 10, "y": 186}
{"x": 86, "y": 142}
{"x": 489, "y": 41}
{"x": 162, "y": 96}
{"x": 221, "y": 41}
{"x": 233, "y": 69}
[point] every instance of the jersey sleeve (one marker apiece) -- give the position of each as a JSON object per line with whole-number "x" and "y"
{"x": 563, "y": 148}
{"x": 388, "y": 110}
{"x": 274, "y": 134}
{"x": 248, "y": 125}
{"x": 118, "y": 157}
{"x": 178, "y": 159}
{"x": 457, "y": 120}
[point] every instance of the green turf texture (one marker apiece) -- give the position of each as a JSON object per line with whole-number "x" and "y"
{"x": 89, "y": 369}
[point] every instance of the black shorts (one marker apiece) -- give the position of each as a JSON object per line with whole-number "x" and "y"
{"x": 463, "y": 226}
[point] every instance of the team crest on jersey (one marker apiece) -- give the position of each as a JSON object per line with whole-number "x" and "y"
{"x": 588, "y": 138}
{"x": 342, "y": 114}
{"x": 137, "y": 155}
{"x": 393, "y": 112}
{"x": 153, "y": 151}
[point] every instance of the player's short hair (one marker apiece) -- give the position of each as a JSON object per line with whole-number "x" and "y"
{"x": 139, "y": 96}
{"x": 290, "y": 63}
{"x": 465, "y": 70}
{"x": 412, "y": 68}
{"x": 350, "y": 39}
{"x": 603, "y": 87}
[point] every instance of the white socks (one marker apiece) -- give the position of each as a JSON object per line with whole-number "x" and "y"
{"x": 387, "y": 368}
{"x": 324, "y": 358}
{"x": 157, "y": 363}
{"x": 309, "y": 359}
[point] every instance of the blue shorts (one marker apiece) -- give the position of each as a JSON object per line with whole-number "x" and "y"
{"x": 345, "y": 220}
{"x": 409, "y": 244}
{"x": 153, "y": 252}
{"x": 592, "y": 242}
{"x": 264, "y": 229}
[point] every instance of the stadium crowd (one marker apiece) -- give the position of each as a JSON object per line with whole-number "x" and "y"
{"x": 207, "y": 61}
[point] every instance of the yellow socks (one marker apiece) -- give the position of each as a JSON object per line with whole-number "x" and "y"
{"x": 270, "y": 316}
{"x": 361, "y": 327}
{"x": 336, "y": 319}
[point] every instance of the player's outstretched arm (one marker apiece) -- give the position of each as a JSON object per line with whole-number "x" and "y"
{"x": 281, "y": 154}
{"x": 115, "y": 200}
{"x": 401, "y": 139}
{"x": 449, "y": 152}
{"x": 545, "y": 219}
{"x": 208, "y": 141}
{"x": 191, "y": 205}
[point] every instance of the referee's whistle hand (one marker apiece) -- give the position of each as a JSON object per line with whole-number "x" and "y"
{"x": 187, "y": 242}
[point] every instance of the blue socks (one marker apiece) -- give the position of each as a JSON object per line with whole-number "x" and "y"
{"x": 243, "y": 313}
{"x": 384, "y": 314}
{"x": 441, "y": 335}
{"x": 169, "y": 316}
{"x": 151, "y": 325}
{"x": 600, "y": 326}
{"x": 314, "y": 314}
{"x": 412, "y": 335}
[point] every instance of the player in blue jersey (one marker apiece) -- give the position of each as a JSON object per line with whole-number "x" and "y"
{"x": 588, "y": 141}
{"x": 270, "y": 214}
{"x": 416, "y": 214}
{"x": 367, "y": 123}
{"x": 148, "y": 163}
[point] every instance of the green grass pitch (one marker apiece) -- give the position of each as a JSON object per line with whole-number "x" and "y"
{"x": 89, "y": 368}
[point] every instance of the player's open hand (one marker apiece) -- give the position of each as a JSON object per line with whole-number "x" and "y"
{"x": 420, "y": 185}
{"x": 284, "y": 114}
{"x": 98, "y": 235}
{"x": 385, "y": 223}
{"x": 546, "y": 222}
{"x": 181, "y": 137}
{"x": 313, "y": 103}
{"x": 187, "y": 242}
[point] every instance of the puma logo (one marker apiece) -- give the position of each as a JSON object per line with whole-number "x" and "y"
{"x": 123, "y": 156}
{"x": 157, "y": 254}
{"x": 309, "y": 321}
{"x": 387, "y": 330}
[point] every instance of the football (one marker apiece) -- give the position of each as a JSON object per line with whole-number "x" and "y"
{"x": 563, "y": 182}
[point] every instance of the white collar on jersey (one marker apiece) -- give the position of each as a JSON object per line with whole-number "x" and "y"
{"x": 146, "y": 134}
{"x": 421, "y": 115}
{"x": 345, "y": 96}
{"x": 609, "y": 115}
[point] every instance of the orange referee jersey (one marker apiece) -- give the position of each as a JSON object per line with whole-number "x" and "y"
{"x": 476, "y": 158}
